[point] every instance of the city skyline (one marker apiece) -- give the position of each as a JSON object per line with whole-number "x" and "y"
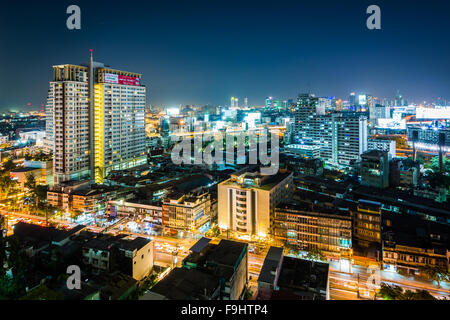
{"x": 196, "y": 56}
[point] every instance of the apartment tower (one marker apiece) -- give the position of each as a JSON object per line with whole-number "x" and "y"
{"x": 95, "y": 121}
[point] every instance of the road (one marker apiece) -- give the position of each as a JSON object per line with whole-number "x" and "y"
{"x": 343, "y": 285}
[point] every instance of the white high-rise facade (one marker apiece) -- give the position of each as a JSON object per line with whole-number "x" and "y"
{"x": 341, "y": 137}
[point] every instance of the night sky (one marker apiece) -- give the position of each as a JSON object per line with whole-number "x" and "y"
{"x": 198, "y": 52}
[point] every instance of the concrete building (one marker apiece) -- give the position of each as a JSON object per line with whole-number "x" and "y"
{"x": 186, "y": 211}
{"x": 133, "y": 257}
{"x": 306, "y": 151}
{"x": 227, "y": 260}
{"x": 247, "y": 201}
{"x": 270, "y": 271}
{"x": 404, "y": 173}
{"x": 300, "y": 165}
{"x": 327, "y": 230}
{"x": 383, "y": 145}
{"x": 139, "y": 209}
{"x": 82, "y": 197}
{"x": 342, "y": 138}
{"x": 185, "y": 284}
{"x": 375, "y": 169}
{"x": 95, "y": 119}
{"x": 286, "y": 278}
{"x": 410, "y": 243}
{"x": 367, "y": 229}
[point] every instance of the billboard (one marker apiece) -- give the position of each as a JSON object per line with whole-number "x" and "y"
{"x": 433, "y": 113}
{"x": 362, "y": 99}
{"x": 392, "y": 124}
{"x": 120, "y": 79}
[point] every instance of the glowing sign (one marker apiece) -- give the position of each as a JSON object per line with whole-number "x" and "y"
{"x": 121, "y": 79}
{"x": 362, "y": 99}
{"x": 433, "y": 113}
{"x": 396, "y": 124}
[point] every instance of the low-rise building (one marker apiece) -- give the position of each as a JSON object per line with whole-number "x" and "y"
{"x": 404, "y": 172}
{"x": 133, "y": 257}
{"x": 306, "y": 151}
{"x": 300, "y": 165}
{"x": 375, "y": 169}
{"x": 228, "y": 260}
{"x": 186, "y": 211}
{"x": 328, "y": 230}
{"x": 367, "y": 229}
{"x": 248, "y": 199}
{"x": 185, "y": 284}
{"x": 410, "y": 244}
{"x": 137, "y": 209}
{"x": 287, "y": 278}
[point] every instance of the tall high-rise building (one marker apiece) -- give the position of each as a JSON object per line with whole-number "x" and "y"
{"x": 95, "y": 118}
{"x": 352, "y": 136}
{"x": 308, "y": 109}
{"x": 269, "y": 102}
{"x": 342, "y": 137}
{"x": 245, "y": 102}
{"x": 352, "y": 99}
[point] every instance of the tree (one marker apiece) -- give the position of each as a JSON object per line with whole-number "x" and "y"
{"x": 9, "y": 165}
{"x": 43, "y": 293}
{"x": 7, "y": 186}
{"x": 437, "y": 273}
{"x": 396, "y": 293}
{"x": 148, "y": 283}
{"x": 316, "y": 255}
{"x": 19, "y": 263}
{"x": 30, "y": 182}
{"x": 41, "y": 192}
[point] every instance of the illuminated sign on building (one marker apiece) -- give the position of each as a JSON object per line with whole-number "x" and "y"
{"x": 396, "y": 124}
{"x": 120, "y": 79}
{"x": 362, "y": 99}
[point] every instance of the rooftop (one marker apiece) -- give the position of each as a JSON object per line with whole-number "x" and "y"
{"x": 303, "y": 275}
{"x": 185, "y": 284}
{"x": 270, "y": 266}
{"x": 34, "y": 232}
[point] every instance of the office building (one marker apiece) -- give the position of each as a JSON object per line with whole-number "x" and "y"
{"x": 326, "y": 229}
{"x": 95, "y": 118}
{"x": 307, "y": 110}
{"x": 342, "y": 138}
{"x": 410, "y": 244}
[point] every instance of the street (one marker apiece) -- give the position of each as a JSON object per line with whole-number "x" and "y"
{"x": 343, "y": 285}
